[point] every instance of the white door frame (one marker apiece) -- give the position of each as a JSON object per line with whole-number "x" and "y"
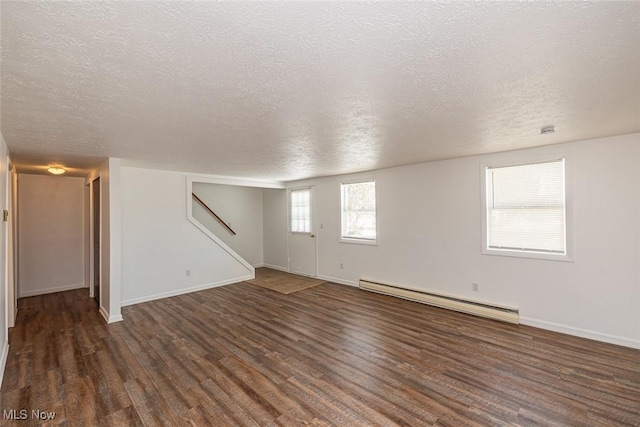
{"x": 11, "y": 258}
{"x": 92, "y": 240}
{"x": 313, "y": 232}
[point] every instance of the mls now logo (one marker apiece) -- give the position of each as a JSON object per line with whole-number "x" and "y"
{"x": 23, "y": 414}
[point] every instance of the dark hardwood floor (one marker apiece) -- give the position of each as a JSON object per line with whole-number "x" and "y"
{"x": 329, "y": 355}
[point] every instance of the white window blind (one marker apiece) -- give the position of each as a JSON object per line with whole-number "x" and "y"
{"x": 359, "y": 211}
{"x": 301, "y": 210}
{"x": 526, "y": 207}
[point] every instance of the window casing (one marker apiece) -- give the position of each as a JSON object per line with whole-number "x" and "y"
{"x": 358, "y": 222}
{"x": 300, "y": 215}
{"x": 525, "y": 212}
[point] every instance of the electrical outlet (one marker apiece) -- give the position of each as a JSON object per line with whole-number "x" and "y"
{"x": 475, "y": 287}
{"x": 188, "y": 273}
{"x": 341, "y": 266}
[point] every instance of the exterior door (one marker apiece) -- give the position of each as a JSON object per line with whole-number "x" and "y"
{"x": 302, "y": 237}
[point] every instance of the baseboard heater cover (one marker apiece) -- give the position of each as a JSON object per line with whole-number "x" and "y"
{"x": 478, "y": 308}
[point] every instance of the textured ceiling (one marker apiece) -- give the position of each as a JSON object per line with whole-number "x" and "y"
{"x": 284, "y": 91}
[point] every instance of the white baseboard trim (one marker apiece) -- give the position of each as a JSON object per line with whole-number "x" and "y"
{"x": 177, "y": 292}
{"x": 338, "y": 281}
{"x": 50, "y": 290}
{"x": 114, "y": 318}
{"x": 578, "y": 332}
{"x": 3, "y": 360}
{"x": 12, "y": 322}
{"x": 104, "y": 314}
{"x": 258, "y": 265}
{"x": 276, "y": 267}
{"x": 110, "y": 318}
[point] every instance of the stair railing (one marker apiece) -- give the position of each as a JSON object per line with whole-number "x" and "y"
{"x": 204, "y": 205}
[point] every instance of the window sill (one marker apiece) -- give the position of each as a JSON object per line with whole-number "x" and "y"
{"x": 524, "y": 254}
{"x": 358, "y": 241}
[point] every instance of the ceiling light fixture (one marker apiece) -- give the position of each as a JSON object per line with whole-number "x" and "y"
{"x": 56, "y": 170}
{"x": 547, "y": 130}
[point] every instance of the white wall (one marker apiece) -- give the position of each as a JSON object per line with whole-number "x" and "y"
{"x": 159, "y": 243}
{"x": 241, "y": 208}
{"x": 275, "y": 228}
{"x": 4, "y": 330}
{"x": 430, "y": 238}
{"x": 51, "y": 234}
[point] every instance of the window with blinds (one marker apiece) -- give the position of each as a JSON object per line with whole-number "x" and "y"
{"x": 358, "y": 212}
{"x": 525, "y": 208}
{"x": 301, "y": 210}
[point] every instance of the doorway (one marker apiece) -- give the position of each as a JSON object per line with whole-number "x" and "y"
{"x": 302, "y": 236}
{"x": 12, "y": 244}
{"x": 95, "y": 206}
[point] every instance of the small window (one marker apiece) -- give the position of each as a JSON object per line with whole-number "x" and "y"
{"x": 526, "y": 210}
{"x": 359, "y": 212}
{"x": 301, "y": 211}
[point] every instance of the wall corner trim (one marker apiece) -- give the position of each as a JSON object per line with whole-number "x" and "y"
{"x": 110, "y": 318}
{"x": 115, "y": 318}
{"x": 104, "y": 314}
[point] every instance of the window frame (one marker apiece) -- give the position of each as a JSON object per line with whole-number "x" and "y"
{"x": 290, "y": 206}
{"x": 354, "y": 240}
{"x": 569, "y": 255}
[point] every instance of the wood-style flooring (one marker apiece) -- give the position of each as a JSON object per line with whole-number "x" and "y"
{"x": 328, "y": 355}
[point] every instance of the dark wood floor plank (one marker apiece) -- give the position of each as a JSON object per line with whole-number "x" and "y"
{"x": 124, "y": 417}
{"x": 219, "y": 404}
{"x": 87, "y": 399}
{"x": 150, "y": 404}
{"x": 323, "y": 404}
{"x": 268, "y": 391}
{"x": 157, "y": 377}
{"x": 326, "y": 356}
{"x": 260, "y": 410}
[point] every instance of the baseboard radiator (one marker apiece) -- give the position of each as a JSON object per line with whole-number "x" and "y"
{"x": 478, "y": 308}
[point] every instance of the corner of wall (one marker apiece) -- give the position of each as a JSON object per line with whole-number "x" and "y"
{"x": 4, "y": 353}
{"x": 110, "y": 318}
{"x": 115, "y": 241}
{"x": 110, "y": 238}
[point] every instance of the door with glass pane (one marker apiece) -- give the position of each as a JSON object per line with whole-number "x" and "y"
{"x": 302, "y": 238}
